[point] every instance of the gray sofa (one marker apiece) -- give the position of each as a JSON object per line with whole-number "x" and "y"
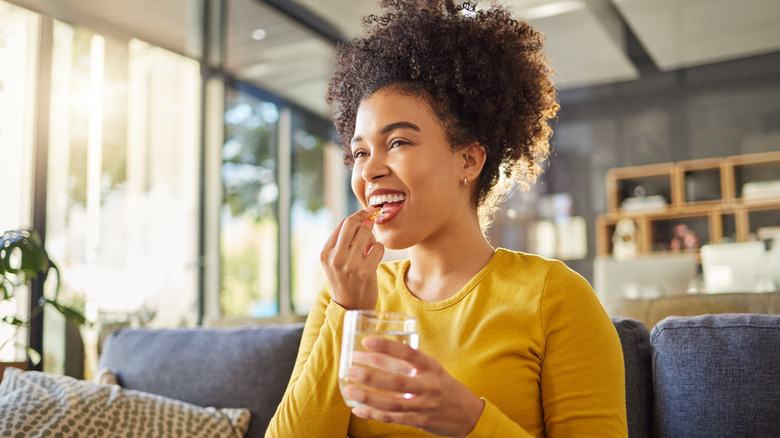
{"x": 704, "y": 376}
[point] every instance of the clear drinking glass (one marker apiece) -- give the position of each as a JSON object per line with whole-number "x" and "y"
{"x": 359, "y": 324}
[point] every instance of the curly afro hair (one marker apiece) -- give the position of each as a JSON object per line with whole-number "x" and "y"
{"x": 484, "y": 74}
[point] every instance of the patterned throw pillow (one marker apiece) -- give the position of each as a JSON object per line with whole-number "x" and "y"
{"x": 34, "y": 404}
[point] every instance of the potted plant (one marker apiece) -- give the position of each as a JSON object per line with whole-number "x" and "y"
{"x": 22, "y": 259}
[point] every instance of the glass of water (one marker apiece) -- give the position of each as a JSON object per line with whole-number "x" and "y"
{"x": 360, "y": 324}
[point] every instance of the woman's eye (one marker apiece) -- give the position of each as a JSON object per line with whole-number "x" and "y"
{"x": 359, "y": 154}
{"x": 396, "y": 143}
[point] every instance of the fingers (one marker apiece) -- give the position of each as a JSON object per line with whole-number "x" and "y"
{"x": 374, "y": 253}
{"x": 430, "y": 399}
{"x": 366, "y": 390}
{"x": 406, "y": 418}
{"x": 371, "y": 401}
{"x": 404, "y": 352}
{"x": 359, "y": 217}
{"x": 355, "y": 230}
{"x": 350, "y": 258}
{"x": 393, "y": 384}
{"x": 352, "y": 241}
{"x": 388, "y": 369}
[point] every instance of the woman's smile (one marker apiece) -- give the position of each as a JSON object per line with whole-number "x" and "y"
{"x": 389, "y": 201}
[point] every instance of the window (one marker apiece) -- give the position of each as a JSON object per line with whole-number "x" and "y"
{"x": 249, "y": 229}
{"x": 122, "y": 182}
{"x": 283, "y": 193}
{"x": 123, "y": 197}
{"x": 318, "y": 204}
{"x": 18, "y": 31}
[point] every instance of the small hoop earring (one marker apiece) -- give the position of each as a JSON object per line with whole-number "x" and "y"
{"x": 465, "y": 182}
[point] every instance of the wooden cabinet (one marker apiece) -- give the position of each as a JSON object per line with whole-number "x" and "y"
{"x": 718, "y": 199}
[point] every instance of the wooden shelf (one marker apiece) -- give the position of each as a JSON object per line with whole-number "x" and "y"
{"x": 705, "y": 195}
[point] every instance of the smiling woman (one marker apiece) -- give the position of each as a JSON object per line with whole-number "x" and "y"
{"x": 439, "y": 105}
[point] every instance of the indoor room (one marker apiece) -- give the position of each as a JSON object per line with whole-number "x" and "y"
{"x": 170, "y": 173}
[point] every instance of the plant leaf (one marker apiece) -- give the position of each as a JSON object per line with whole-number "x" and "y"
{"x": 33, "y": 259}
{"x": 69, "y": 313}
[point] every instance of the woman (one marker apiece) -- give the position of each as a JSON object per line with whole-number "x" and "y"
{"x": 438, "y": 106}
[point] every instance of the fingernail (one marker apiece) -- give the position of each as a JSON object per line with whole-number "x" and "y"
{"x": 353, "y": 372}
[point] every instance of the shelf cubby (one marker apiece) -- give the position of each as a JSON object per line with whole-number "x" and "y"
{"x": 705, "y": 195}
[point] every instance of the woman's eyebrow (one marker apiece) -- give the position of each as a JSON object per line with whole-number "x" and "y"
{"x": 399, "y": 125}
{"x": 390, "y": 128}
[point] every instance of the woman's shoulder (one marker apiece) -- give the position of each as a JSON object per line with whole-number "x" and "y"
{"x": 534, "y": 268}
{"x": 514, "y": 260}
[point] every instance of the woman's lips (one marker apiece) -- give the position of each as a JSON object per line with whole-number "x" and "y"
{"x": 390, "y": 202}
{"x": 389, "y": 211}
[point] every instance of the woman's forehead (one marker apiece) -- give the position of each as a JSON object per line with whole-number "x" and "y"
{"x": 388, "y": 106}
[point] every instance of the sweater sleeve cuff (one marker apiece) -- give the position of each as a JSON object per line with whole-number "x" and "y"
{"x": 490, "y": 424}
{"x": 334, "y": 316}
{"x": 487, "y": 422}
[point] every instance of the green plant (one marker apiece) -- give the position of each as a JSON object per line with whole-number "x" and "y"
{"x": 22, "y": 259}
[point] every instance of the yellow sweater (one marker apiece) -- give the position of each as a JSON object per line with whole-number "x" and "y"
{"x": 526, "y": 334}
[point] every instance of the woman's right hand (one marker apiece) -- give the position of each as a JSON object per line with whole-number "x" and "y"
{"x": 350, "y": 258}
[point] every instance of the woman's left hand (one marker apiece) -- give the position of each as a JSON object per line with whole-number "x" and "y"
{"x": 435, "y": 402}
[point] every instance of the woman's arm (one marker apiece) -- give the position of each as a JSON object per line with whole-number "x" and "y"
{"x": 583, "y": 382}
{"x": 312, "y": 405}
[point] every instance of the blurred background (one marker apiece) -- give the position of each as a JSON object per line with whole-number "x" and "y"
{"x": 178, "y": 158}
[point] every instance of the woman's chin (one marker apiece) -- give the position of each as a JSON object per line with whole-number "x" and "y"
{"x": 393, "y": 243}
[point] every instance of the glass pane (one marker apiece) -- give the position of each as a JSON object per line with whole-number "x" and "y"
{"x": 18, "y": 30}
{"x": 318, "y": 202}
{"x": 249, "y": 232}
{"x": 122, "y": 219}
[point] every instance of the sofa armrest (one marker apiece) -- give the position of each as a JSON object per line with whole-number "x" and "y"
{"x": 717, "y": 375}
{"x": 246, "y": 367}
{"x": 635, "y": 341}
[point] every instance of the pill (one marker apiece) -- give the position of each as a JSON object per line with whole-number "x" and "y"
{"x": 377, "y": 212}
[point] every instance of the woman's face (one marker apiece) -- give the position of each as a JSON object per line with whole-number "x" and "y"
{"x": 404, "y": 163}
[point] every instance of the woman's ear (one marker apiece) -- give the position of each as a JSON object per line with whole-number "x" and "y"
{"x": 473, "y": 160}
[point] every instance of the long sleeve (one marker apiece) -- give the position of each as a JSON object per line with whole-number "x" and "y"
{"x": 583, "y": 383}
{"x": 493, "y": 423}
{"x": 581, "y": 367}
{"x": 312, "y": 405}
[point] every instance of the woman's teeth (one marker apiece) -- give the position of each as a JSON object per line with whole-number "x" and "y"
{"x": 383, "y": 199}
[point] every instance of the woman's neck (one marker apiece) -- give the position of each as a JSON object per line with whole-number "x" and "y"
{"x": 439, "y": 268}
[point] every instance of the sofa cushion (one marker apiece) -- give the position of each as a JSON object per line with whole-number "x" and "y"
{"x": 635, "y": 340}
{"x": 247, "y": 367}
{"x": 717, "y": 376}
{"x": 34, "y": 404}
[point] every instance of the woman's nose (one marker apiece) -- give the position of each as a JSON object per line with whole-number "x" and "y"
{"x": 375, "y": 167}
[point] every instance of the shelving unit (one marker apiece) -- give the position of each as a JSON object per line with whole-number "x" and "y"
{"x": 707, "y": 195}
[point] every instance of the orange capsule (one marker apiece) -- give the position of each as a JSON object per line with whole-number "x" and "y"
{"x": 377, "y": 212}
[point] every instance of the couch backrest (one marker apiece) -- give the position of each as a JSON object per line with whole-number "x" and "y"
{"x": 250, "y": 367}
{"x": 705, "y": 376}
{"x": 635, "y": 340}
{"x": 245, "y": 367}
{"x": 717, "y": 376}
